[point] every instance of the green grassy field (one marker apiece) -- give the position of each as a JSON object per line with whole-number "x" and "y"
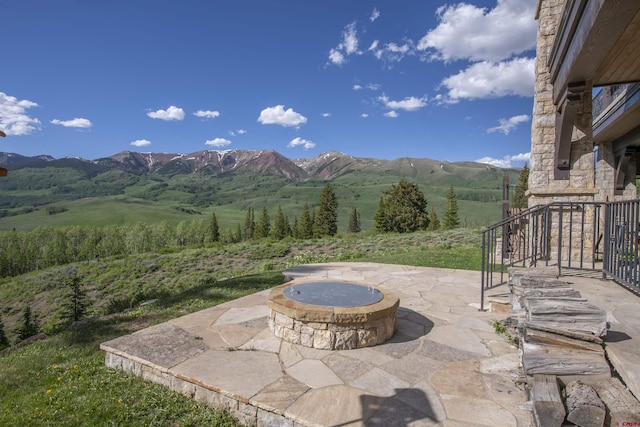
{"x": 116, "y": 197}
{"x": 62, "y": 379}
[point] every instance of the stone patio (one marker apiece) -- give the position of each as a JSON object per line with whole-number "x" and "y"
{"x": 444, "y": 366}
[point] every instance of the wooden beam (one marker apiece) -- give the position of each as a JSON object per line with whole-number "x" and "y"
{"x": 575, "y": 335}
{"x": 565, "y": 121}
{"x": 548, "y": 409}
{"x": 533, "y": 335}
{"x": 588, "y": 32}
{"x": 621, "y": 166}
{"x": 622, "y": 407}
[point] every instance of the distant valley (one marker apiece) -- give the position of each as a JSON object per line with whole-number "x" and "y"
{"x": 151, "y": 187}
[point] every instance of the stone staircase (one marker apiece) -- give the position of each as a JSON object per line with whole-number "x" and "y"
{"x": 560, "y": 336}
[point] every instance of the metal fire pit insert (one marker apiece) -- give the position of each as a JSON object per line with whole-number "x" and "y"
{"x": 332, "y": 315}
{"x": 333, "y": 294}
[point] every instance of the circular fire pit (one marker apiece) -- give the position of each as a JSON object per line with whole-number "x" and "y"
{"x": 332, "y": 315}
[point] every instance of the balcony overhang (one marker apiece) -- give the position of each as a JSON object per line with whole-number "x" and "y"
{"x": 597, "y": 42}
{"x": 596, "y": 45}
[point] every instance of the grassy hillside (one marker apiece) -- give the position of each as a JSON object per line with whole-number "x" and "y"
{"x": 62, "y": 380}
{"x": 115, "y": 284}
{"x": 87, "y": 196}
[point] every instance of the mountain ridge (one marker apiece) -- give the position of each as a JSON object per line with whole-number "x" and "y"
{"x": 325, "y": 166}
{"x": 149, "y": 187}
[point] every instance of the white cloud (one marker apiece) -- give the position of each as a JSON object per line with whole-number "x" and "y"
{"x": 348, "y": 45}
{"x": 491, "y": 80}
{"x": 507, "y": 161}
{"x": 466, "y": 31}
{"x": 14, "y": 119}
{"x": 370, "y": 86}
{"x": 336, "y": 57}
{"x": 326, "y": 114}
{"x": 208, "y": 114}
{"x": 73, "y": 123}
{"x": 410, "y": 103}
{"x": 375, "y": 14}
{"x": 374, "y": 45}
{"x": 171, "y": 113}
{"x": 350, "y": 39}
{"x": 507, "y": 125}
{"x": 364, "y": 115}
{"x": 279, "y": 116}
{"x": 392, "y": 114}
{"x": 140, "y": 142}
{"x": 299, "y": 142}
{"x": 392, "y": 52}
{"x": 392, "y": 47}
{"x": 237, "y": 132}
{"x": 218, "y": 142}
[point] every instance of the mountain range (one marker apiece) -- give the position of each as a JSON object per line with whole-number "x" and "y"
{"x": 172, "y": 187}
{"x": 327, "y": 166}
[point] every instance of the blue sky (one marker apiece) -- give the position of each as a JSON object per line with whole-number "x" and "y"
{"x": 383, "y": 79}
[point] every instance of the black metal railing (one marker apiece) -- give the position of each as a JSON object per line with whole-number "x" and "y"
{"x": 621, "y": 242}
{"x": 606, "y": 96}
{"x": 567, "y": 235}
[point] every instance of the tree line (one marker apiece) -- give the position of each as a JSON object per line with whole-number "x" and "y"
{"x": 403, "y": 208}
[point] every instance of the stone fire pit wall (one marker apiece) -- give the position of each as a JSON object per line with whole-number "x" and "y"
{"x": 332, "y": 328}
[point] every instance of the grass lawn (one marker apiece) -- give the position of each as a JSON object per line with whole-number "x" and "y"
{"x": 62, "y": 380}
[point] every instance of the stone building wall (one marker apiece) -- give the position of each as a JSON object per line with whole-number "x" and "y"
{"x": 544, "y": 118}
{"x": 544, "y": 188}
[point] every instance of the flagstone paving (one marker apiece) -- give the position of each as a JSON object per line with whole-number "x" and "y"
{"x": 444, "y": 366}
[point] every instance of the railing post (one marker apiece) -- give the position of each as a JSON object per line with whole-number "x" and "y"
{"x": 561, "y": 214}
{"x": 484, "y": 231}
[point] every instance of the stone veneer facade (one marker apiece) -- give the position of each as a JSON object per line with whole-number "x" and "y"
{"x": 586, "y": 167}
{"x": 544, "y": 187}
{"x": 332, "y": 328}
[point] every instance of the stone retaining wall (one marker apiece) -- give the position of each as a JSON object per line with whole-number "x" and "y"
{"x": 245, "y": 412}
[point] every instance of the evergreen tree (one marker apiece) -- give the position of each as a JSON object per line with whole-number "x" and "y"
{"x": 75, "y": 304}
{"x": 434, "y": 221}
{"x": 326, "y": 219}
{"x": 295, "y": 232}
{"x": 287, "y": 226}
{"x": 402, "y": 209}
{"x": 30, "y": 325}
{"x": 233, "y": 235}
{"x": 4, "y": 341}
{"x": 354, "y": 221}
{"x": 450, "y": 219}
{"x": 249, "y": 225}
{"x": 214, "y": 231}
{"x": 305, "y": 225}
{"x": 280, "y": 226}
{"x": 519, "y": 197}
{"x": 263, "y": 226}
{"x": 380, "y": 221}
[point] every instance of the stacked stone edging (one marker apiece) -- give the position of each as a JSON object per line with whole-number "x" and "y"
{"x": 562, "y": 355}
{"x": 332, "y": 328}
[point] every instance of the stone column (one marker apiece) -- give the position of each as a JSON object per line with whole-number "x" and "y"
{"x": 544, "y": 188}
